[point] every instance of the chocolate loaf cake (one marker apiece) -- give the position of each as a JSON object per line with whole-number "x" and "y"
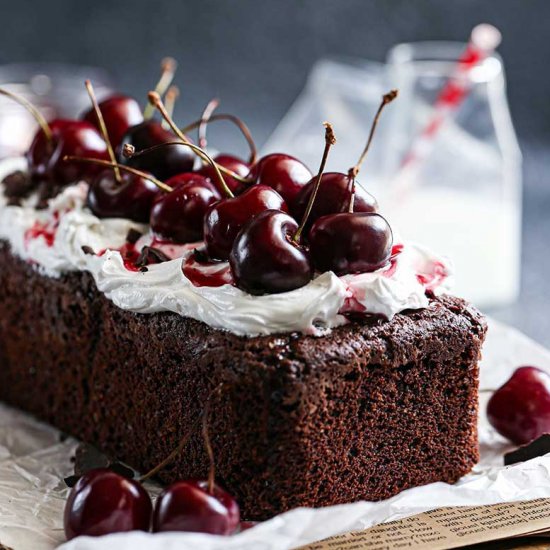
{"x": 364, "y": 412}
{"x": 266, "y": 310}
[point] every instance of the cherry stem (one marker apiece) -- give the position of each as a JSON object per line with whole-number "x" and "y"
{"x": 352, "y": 196}
{"x": 172, "y": 456}
{"x": 168, "y": 68}
{"x": 37, "y": 115}
{"x": 156, "y": 100}
{"x": 235, "y": 120}
{"x": 386, "y": 98}
{"x": 330, "y": 140}
{"x": 211, "y": 106}
{"x": 103, "y": 128}
{"x": 354, "y": 170}
{"x": 129, "y": 151}
{"x": 113, "y": 165}
{"x": 208, "y": 447}
{"x": 170, "y": 101}
{"x": 206, "y": 438}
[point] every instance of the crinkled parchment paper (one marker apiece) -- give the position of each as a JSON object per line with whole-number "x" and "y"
{"x": 34, "y": 460}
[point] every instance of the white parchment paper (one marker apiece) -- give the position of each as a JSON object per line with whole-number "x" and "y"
{"x": 33, "y": 462}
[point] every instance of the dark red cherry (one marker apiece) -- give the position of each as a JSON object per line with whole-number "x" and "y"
{"x": 286, "y": 174}
{"x": 333, "y": 197}
{"x": 350, "y": 242}
{"x": 265, "y": 259}
{"x": 235, "y": 164}
{"x": 69, "y": 137}
{"x": 520, "y": 409}
{"x": 131, "y": 198}
{"x": 188, "y": 506}
{"x": 120, "y": 112}
{"x": 164, "y": 162}
{"x": 104, "y": 502}
{"x": 179, "y": 215}
{"x": 224, "y": 220}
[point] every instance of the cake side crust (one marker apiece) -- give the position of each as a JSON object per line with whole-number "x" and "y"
{"x": 362, "y": 413}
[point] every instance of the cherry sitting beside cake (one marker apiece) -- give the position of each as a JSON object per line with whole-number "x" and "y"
{"x": 347, "y": 373}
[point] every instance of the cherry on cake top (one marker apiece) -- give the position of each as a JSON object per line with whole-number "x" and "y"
{"x": 179, "y": 215}
{"x": 286, "y": 174}
{"x": 266, "y": 259}
{"x": 65, "y": 137}
{"x": 53, "y": 141}
{"x": 334, "y": 196}
{"x": 233, "y": 163}
{"x": 132, "y": 197}
{"x": 163, "y": 162}
{"x": 120, "y": 113}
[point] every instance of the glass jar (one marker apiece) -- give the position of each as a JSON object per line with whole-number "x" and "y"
{"x": 463, "y": 197}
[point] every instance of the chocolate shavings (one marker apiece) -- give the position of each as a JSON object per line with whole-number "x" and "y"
{"x": 89, "y": 458}
{"x": 17, "y": 186}
{"x": 150, "y": 255}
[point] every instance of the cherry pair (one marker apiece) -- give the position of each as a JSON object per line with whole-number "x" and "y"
{"x": 271, "y": 253}
{"x": 104, "y": 502}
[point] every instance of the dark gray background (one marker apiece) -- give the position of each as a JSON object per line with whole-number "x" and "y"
{"x": 255, "y": 54}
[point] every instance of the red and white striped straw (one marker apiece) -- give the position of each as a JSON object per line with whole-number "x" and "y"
{"x": 483, "y": 41}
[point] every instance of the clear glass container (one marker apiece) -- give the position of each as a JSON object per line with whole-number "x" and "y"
{"x": 57, "y": 90}
{"x": 463, "y": 198}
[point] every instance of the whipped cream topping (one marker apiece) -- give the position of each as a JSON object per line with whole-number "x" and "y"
{"x": 53, "y": 240}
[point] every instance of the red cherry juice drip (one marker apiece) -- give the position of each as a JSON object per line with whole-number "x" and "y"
{"x": 353, "y": 308}
{"x": 45, "y": 230}
{"x": 434, "y": 279}
{"x": 395, "y": 251}
{"x": 352, "y": 305}
{"x": 199, "y": 274}
{"x": 244, "y": 525}
{"x": 40, "y": 230}
{"x": 129, "y": 254}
